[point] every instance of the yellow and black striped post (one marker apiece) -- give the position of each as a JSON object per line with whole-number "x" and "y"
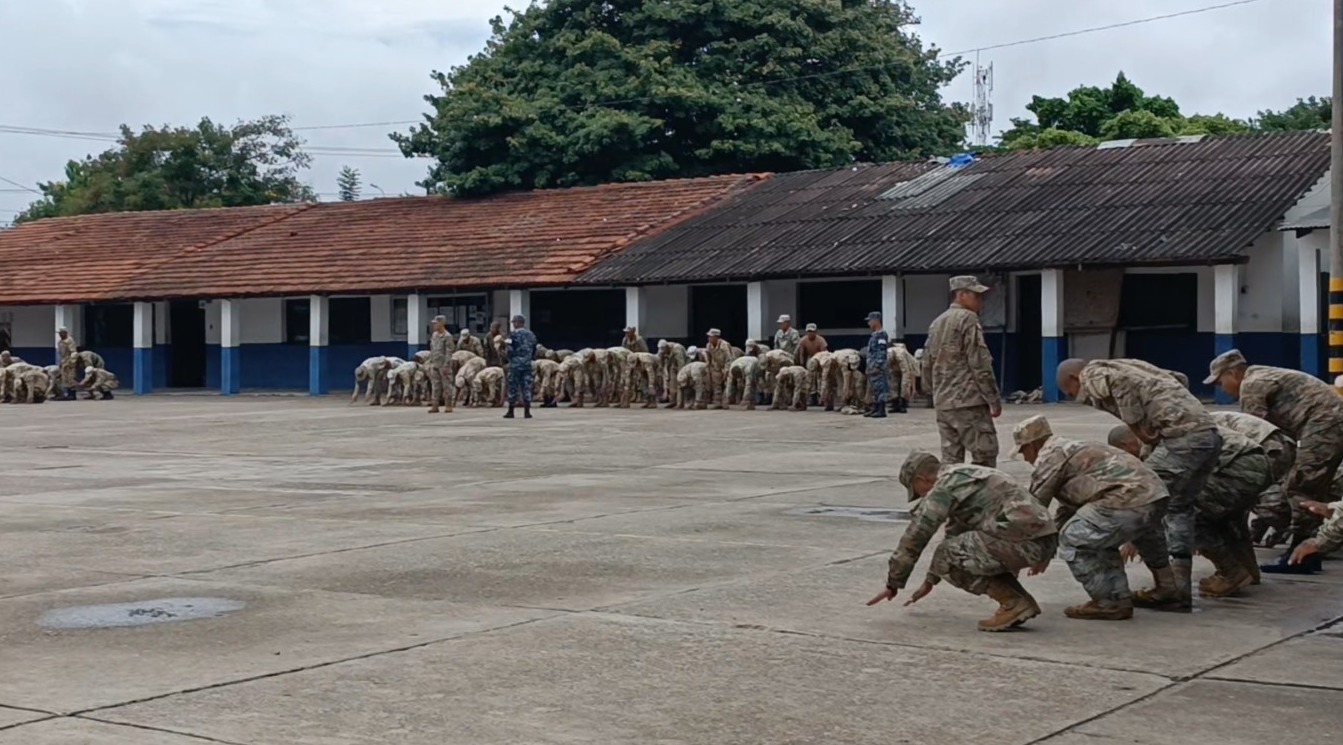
{"x": 1335, "y": 327}
{"x": 1336, "y": 208}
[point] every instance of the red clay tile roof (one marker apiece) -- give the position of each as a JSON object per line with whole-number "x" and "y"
{"x": 91, "y": 257}
{"x": 541, "y": 238}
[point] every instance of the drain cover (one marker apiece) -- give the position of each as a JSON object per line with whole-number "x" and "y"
{"x": 860, "y": 513}
{"x": 144, "y": 613}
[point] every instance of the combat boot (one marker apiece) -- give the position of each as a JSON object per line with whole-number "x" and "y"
{"x": 1165, "y": 596}
{"x": 1114, "y": 610}
{"x": 526, "y": 411}
{"x": 433, "y": 409}
{"x": 878, "y": 412}
{"x": 509, "y": 413}
{"x": 1015, "y": 605}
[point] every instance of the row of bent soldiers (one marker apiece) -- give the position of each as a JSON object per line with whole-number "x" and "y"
{"x": 799, "y": 369}
{"x": 1173, "y": 479}
{"x": 21, "y": 382}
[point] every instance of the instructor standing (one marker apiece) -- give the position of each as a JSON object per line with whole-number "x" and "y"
{"x": 958, "y": 372}
{"x": 520, "y": 350}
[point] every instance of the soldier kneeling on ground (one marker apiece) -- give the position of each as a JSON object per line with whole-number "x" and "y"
{"x": 99, "y": 383}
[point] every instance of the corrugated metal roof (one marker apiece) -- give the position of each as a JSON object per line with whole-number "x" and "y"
{"x": 1181, "y": 202}
{"x": 1317, "y": 220}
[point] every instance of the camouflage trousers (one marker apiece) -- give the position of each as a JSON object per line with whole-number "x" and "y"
{"x": 1223, "y": 510}
{"x": 442, "y": 386}
{"x": 1184, "y": 464}
{"x": 1273, "y": 509}
{"x": 971, "y": 429}
{"x": 717, "y": 382}
{"x": 1317, "y": 459}
{"x": 68, "y": 370}
{"x": 1090, "y": 543}
{"x": 520, "y": 381}
{"x": 971, "y": 560}
{"x": 879, "y": 385}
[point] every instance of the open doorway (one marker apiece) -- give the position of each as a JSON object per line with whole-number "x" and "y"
{"x": 186, "y": 344}
{"x": 1030, "y": 333}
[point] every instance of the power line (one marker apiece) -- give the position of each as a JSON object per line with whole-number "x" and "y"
{"x": 21, "y": 186}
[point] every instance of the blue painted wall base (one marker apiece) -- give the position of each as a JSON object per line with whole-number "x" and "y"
{"x": 160, "y": 355}
{"x": 318, "y": 375}
{"x": 411, "y": 349}
{"x": 1053, "y": 350}
{"x": 143, "y": 372}
{"x": 230, "y": 370}
{"x": 1221, "y": 343}
{"x": 1310, "y": 354}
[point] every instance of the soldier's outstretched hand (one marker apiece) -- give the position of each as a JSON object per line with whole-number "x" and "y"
{"x": 920, "y": 593}
{"x": 1318, "y": 509}
{"x": 887, "y": 594}
{"x": 1306, "y": 549}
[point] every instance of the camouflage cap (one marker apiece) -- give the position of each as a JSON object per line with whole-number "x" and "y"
{"x": 715, "y": 332}
{"x": 785, "y": 318}
{"x": 440, "y": 319}
{"x": 519, "y": 319}
{"x": 1031, "y": 429}
{"x": 874, "y": 316}
{"x": 968, "y": 283}
{"x": 917, "y": 461}
{"x": 629, "y": 329}
{"x": 811, "y": 327}
{"x": 1224, "y": 363}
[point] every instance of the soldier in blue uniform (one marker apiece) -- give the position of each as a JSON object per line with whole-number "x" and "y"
{"x": 878, "y": 384}
{"x": 520, "y": 350}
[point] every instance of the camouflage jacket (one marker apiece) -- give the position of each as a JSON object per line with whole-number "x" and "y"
{"x": 441, "y": 347}
{"x": 1078, "y": 473}
{"x": 66, "y": 348}
{"x": 718, "y": 357}
{"x": 967, "y": 498}
{"x": 878, "y": 352}
{"x": 520, "y": 348}
{"x": 637, "y": 344}
{"x": 1329, "y": 538}
{"x": 787, "y": 340}
{"x": 1292, "y": 400}
{"x": 1259, "y": 430}
{"x": 1234, "y": 447}
{"x": 957, "y": 365}
{"x": 1139, "y": 397}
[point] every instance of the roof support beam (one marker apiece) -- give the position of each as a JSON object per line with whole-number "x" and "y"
{"x": 757, "y": 312}
{"x": 230, "y": 352}
{"x": 636, "y": 307}
{"x": 142, "y": 340}
{"x": 519, "y": 304}
{"x": 319, "y": 338}
{"x": 1226, "y": 304}
{"x": 893, "y": 305}
{"x": 1054, "y": 343}
{"x": 417, "y": 324}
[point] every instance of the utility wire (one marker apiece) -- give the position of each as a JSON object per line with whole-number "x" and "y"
{"x": 21, "y": 186}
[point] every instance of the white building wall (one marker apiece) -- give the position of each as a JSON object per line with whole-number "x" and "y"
{"x": 212, "y": 322}
{"x": 780, "y": 299}
{"x": 668, "y": 309}
{"x": 31, "y": 325}
{"x": 499, "y": 307}
{"x": 926, "y": 296}
{"x": 262, "y": 321}
{"x": 380, "y": 311}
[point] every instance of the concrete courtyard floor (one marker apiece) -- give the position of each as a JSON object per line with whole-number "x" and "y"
{"x": 591, "y": 576}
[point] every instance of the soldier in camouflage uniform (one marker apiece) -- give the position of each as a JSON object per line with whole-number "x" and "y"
{"x": 641, "y": 377}
{"x": 487, "y": 387}
{"x": 693, "y": 379}
{"x": 718, "y": 354}
{"x": 1307, "y": 409}
{"x": 1107, "y": 498}
{"x": 994, "y": 529}
{"x": 1186, "y": 445}
{"x": 742, "y": 379}
{"x": 67, "y": 352}
{"x": 520, "y": 351}
{"x": 633, "y": 342}
{"x": 546, "y": 374}
{"x": 958, "y": 370}
{"x": 442, "y": 377}
{"x": 472, "y": 344}
{"x": 878, "y": 366}
{"x": 1272, "y": 514}
{"x": 573, "y": 379}
{"x": 902, "y": 376}
{"x": 99, "y": 383}
{"x": 89, "y": 358}
{"x": 671, "y": 358}
{"x": 790, "y": 388}
{"x": 467, "y": 372}
{"x": 1327, "y": 540}
{"x": 7, "y": 359}
{"x": 787, "y": 338}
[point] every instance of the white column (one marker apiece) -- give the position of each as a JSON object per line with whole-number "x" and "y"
{"x": 319, "y": 338}
{"x": 230, "y": 341}
{"x": 757, "y": 313}
{"x": 68, "y": 317}
{"x": 520, "y": 304}
{"x": 1308, "y": 280}
{"x": 1052, "y": 341}
{"x": 142, "y": 341}
{"x": 417, "y": 320}
{"x": 1226, "y": 298}
{"x": 636, "y": 307}
{"x": 891, "y": 305}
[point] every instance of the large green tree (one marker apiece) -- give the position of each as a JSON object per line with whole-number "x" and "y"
{"x": 1090, "y": 114}
{"x": 571, "y": 92}
{"x": 158, "y": 168}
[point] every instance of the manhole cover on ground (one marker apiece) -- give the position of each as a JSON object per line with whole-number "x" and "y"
{"x": 859, "y": 513}
{"x": 143, "y": 613}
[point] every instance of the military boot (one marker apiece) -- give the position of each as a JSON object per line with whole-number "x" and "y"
{"x": 1165, "y": 596}
{"x": 1111, "y": 610}
{"x": 901, "y": 406}
{"x": 526, "y": 411}
{"x": 1015, "y": 605}
{"x": 433, "y": 409}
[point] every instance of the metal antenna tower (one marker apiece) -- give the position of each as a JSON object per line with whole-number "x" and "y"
{"x": 981, "y": 111}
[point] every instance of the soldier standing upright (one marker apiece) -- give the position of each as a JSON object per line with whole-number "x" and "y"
{"x": 633, "y": 341}
{"x": 878, "y": 365}
{"x": 442, "y": 391}
{"x": 718, "y": 355}
{"x": 787, "y": 338}
{"x": 67, "y": 352}
{"x": 958, "y": 372}
{"x": 520, "y": 347}
{"x": 1307, "y": 409}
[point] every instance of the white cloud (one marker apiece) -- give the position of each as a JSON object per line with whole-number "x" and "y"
{"x": 89, "y": 65}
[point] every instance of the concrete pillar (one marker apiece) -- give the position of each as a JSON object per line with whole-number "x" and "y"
{"x": 142, "y": 341}
{"x": 636, "y": 307}
{"x": 319, "y": 339}
{"x": 417, "y": 324}
{"x": 1053, "y": 341}
{"x": 519, "y": 304}
{"x": 1308, "y": 279}
{"x": 1226, "y": 302}
{"x": 757, "y": 313}
{"x": 892, "y": 287}
{"x": 67, "y": 317}
{"x": 230, "y": 347}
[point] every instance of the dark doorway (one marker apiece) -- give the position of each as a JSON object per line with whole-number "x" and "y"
{"x": 573, "y": 319}
{"x": 186, "y": 344}
{"x": 721, "y": 307}
{"x": 1030, "y": 333}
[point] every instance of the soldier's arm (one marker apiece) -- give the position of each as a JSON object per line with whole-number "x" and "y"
{"x": 1254, "y": 399}
{"x": 1047, "y": 477}
{"x": 932, "y": 512}
{"x": 1128, "y": 406}
{"x": 1329, "y": 538}
{"x": 980, "y": 362}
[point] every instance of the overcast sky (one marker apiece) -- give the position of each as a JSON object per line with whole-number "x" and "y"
{"x": 90, "y": 65}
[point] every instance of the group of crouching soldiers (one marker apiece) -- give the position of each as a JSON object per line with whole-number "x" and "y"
{"x": 76, "y": 370}
{"x": 717, "y": 375}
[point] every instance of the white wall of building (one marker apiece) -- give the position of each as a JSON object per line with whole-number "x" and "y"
{"x": 668, "y": 310}
{"x": 31, "y": 325}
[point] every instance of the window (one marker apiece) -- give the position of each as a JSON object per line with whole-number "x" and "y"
{"x": 462, "y": 311}
{"x": 1159, "y": 301}
{"x": 400, "y": 316}
{"x": 108, "y": 327}
{"x": 836, "y": 305}
{"x": 349, "y": 322}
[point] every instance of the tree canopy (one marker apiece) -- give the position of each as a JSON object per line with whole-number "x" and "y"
{"x": 349, "y": 184}
{"x": 1090, "y": 114}
{"x": 210, "y": 165}
{"x": 574, "y": 92}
